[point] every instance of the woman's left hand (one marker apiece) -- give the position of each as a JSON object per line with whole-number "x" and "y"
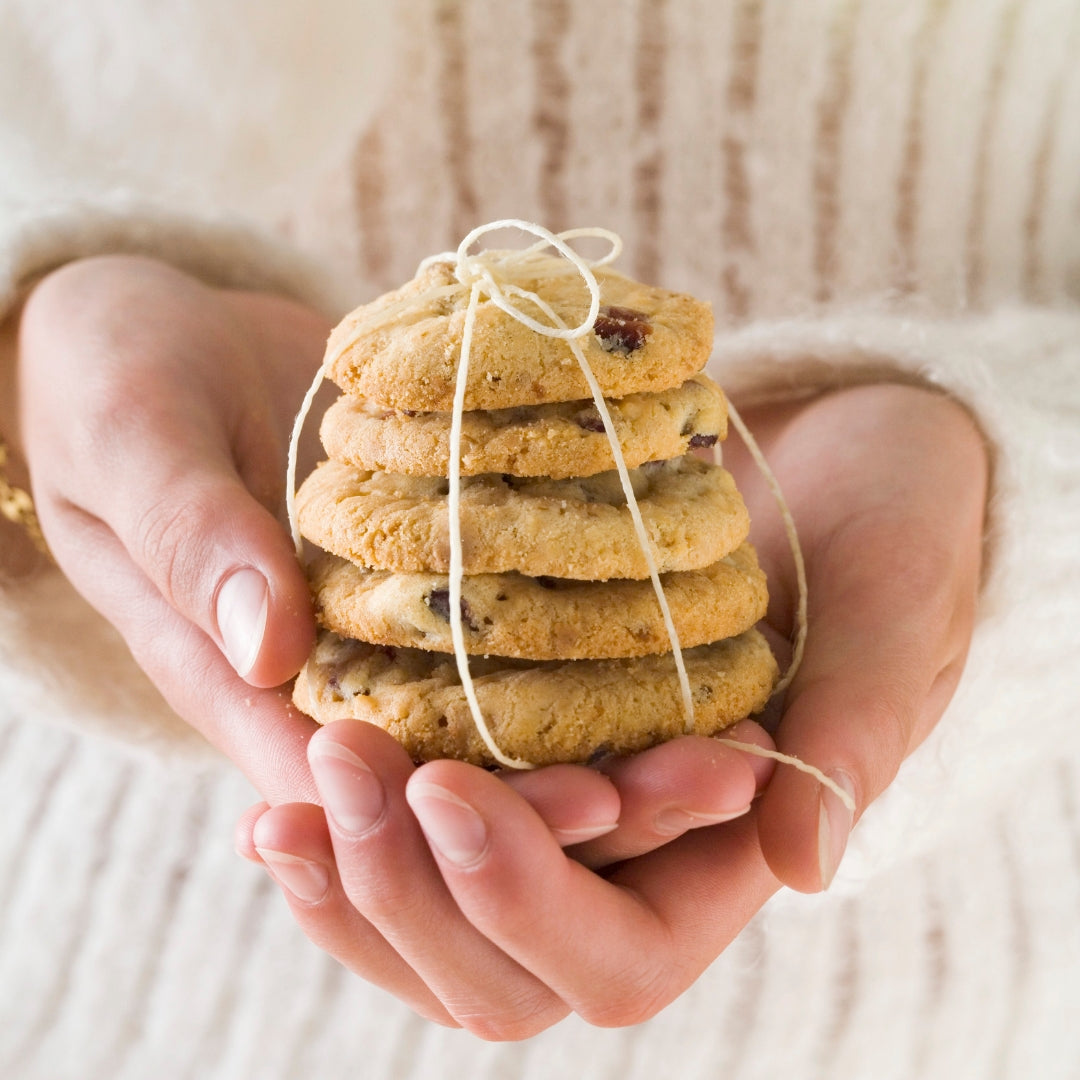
{"x": 446, "y": 886}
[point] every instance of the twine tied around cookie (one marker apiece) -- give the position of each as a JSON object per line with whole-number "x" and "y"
{"x": 481, "y": 275}
{"x": 489, "y": 274}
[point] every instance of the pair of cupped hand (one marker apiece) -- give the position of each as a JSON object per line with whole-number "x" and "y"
{"x": 155, "y": 413}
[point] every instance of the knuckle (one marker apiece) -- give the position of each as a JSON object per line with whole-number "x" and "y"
{"x": 518, "y": 1016}
{"x": 510, "y": 916}
{"x": 163, "y": 542}
{"x": 927, "y": 576}
{"x": 630, "y": 997}
{"x": 155, "y": 642}
{"x": 383, "y": 898}
{"x": 921, "y": 572}
{"x": 889, "y": 719}
{"x": 109, "y": 426}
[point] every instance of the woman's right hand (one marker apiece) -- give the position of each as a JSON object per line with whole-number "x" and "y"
{"x": 155, "y": 412}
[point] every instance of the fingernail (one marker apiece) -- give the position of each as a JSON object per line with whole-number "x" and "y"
{"x": 453, "y": 828}
{"x": 306, "y": 880}
{"x": 567, "y": 837}
{"x": 242, "y": 604}
{"x": 673, "y": 820}
{"x": 352, "y": 793}
{"x": 834, "y": 826}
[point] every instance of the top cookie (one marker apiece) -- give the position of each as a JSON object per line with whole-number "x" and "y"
{"x": 402, "y": 350}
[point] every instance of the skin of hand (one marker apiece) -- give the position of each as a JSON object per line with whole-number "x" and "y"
{"x": 155, "y": 412}
{"x": 154, "y": 416}
{"x": 888, "y": 486}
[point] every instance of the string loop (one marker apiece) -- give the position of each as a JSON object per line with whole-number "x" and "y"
{"x": 494, "y": 271}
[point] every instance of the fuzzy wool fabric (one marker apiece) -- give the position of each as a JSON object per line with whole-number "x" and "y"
{"x": 865, "y": 191}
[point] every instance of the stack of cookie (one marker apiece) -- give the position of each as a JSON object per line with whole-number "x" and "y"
{"x": 569, "y": 654}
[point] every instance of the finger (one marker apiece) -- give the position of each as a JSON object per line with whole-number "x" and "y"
{"x": 258, "y": 729}
{"x": 243, "y": 839}
{"x": 218, "y": 558}
{"x": 589, "y": 794}
{"x": 293, "y": 843}
{"x": 613, "y": 953}
{"x": 704, "y": 888}
{"x": 752, "y": 734}
{"x": 684, "y": 784}
{"x": 576, "y": 803}
{"x": 886, "y": 643}
{"x": 389, "y": 876}
{"x": 892, "y": 537}
{"x": 573, "y": 801}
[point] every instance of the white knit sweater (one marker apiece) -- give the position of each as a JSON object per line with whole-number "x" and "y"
{"x": 864, "y": 190}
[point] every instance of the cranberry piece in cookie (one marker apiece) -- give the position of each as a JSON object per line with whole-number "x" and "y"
{"x": 621, "y": 330}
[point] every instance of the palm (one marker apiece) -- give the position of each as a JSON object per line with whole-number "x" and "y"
{"x": 887, "y": 488}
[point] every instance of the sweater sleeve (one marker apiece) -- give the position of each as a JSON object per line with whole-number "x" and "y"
{"x": 1016, "y": 370}
{"x": 220, "y": 250}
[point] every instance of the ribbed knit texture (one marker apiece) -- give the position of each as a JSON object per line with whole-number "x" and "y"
{"x": 768, "y": 155}
{"x": 863, "y": 189}
{"x": 134, "y": 944}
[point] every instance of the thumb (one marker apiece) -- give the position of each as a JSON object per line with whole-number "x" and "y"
{"x": 222, "y": 560}
{"x": 886, "y": 644}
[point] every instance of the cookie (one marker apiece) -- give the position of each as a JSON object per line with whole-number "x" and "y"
{"x": 574, "y": 528}
{"x": 542, "y": 712}
{"x": 541, "y": 618}
{"x": 560, "y": 439}
{"x": 402, "y": 349}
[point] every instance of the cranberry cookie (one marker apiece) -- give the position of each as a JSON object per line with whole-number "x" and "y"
{"x": 402, "y": 349}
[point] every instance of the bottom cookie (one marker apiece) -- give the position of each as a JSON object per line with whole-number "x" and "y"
{"x": 541, "y": 712}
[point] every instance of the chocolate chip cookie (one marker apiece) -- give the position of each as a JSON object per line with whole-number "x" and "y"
{"x": 565, "y": 639}
{"x": 540, "y": 618}
{"x": 542, "y": 712}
